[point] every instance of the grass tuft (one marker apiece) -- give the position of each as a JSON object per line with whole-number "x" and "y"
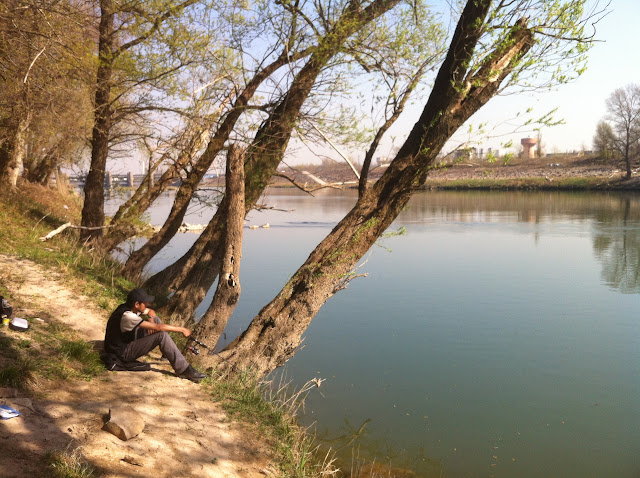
{"x": 21, "y": 374}
{"x": 273, "y": 405}
{"x": 83, "y": 354}
{"x": 65, "y": 464}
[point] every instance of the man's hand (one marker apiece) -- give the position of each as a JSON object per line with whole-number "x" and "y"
{"x": 186, "y": 332}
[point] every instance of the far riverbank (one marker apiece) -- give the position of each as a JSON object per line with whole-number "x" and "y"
{"x": 567, "y": 172}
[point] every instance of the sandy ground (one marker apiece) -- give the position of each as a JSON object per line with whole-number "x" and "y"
{"x": 185, "y": 434}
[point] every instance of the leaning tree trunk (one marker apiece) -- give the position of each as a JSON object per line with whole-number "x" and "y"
{"x": 275, "y": 334}
{"x": 169, "y": 278}
{"x": 262, "y": 159}
{"x": 212, "y": 324}
{"x": 93, "y": 208}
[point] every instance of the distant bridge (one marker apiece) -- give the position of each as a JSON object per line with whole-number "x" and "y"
{"x": 128, "y": 180}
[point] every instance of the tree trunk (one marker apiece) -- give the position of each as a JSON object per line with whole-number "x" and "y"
{"x": 41, "y": 172}
{"x": 627, "y": 160}
{"x": 264, "y": 155}
{"x": 224, "y": 302}
{"x": 5, "y": 154}
{"x": 275, "y": 334}
{"x": 14, "y": 151}
{"x": 93, "y": 209}
{"x": 171, "y": 276}
{"x": 62, "y": 182}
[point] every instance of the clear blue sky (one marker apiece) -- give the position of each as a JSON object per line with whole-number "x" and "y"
{"x": 613, "y": 63}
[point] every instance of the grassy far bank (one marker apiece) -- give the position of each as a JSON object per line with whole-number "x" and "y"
{"x": 51, "y": 355}
{"x": 519, "y": 184}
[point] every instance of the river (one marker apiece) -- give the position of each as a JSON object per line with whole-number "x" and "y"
{"x": 499, "y": 336}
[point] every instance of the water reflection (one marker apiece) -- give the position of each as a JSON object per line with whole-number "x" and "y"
{"x": 615, "y": 218}
{"x": 500, "y": 206}
{"x": 616, "y": 242}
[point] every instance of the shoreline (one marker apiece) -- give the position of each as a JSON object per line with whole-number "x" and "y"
{"x": 566, "y": 173}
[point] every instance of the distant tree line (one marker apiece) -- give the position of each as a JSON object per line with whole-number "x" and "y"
{"x": 618, "y": 134}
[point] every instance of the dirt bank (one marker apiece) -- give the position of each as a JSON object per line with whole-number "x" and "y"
{"x": 185, "y": 434}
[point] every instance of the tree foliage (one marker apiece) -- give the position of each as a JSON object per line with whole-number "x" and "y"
{"x": 603, "y": 140}
{"x": 44, "y": 103}
{"x": 622, "y": 131}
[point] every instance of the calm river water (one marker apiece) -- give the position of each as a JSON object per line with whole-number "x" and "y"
{"x": 500, "y": 336}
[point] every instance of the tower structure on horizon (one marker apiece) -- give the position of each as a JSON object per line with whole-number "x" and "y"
{"x": 528, "y": 144}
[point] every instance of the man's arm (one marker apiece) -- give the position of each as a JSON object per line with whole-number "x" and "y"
{"x": 146, "y": 324}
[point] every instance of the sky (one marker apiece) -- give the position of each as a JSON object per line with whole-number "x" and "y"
{"x": 613, "y": 63}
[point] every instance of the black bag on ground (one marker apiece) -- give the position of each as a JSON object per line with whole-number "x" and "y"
{"x": 5, "y": 308}
{"x": 114, "y": 364}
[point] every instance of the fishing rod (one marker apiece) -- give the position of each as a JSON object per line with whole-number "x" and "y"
{"x": 194, "y": 348}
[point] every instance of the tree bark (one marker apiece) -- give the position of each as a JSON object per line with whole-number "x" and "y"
{"x": 15, "y": 151}
{"x": 627, "y": 159}
{"x": 212, "y": 324}
{"x": 93, "y": 208}
{"x": 275, "y": 333}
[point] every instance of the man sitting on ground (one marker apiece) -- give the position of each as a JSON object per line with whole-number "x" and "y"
{"x": 129, "y": 337}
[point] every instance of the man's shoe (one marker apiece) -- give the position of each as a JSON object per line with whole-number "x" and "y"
{"x": 192, "y": 374}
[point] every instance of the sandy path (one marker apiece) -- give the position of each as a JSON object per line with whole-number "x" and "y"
{"x": 185, "y": 434}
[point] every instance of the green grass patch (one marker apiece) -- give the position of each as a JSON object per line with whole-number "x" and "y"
{"x": 63, "y": 464}
{"x": 21, "y": 374}
{"x": 83, "y": 354}
{"x": 273, "y": 408}
{"x": 524, "y": 184}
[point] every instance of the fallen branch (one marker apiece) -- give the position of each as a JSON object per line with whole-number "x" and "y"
{"x": 308, "y": 190}
{"x": 69, "y": 225}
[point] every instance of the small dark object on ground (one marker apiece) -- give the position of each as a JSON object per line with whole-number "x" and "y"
{"x": 5, "y": 307}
